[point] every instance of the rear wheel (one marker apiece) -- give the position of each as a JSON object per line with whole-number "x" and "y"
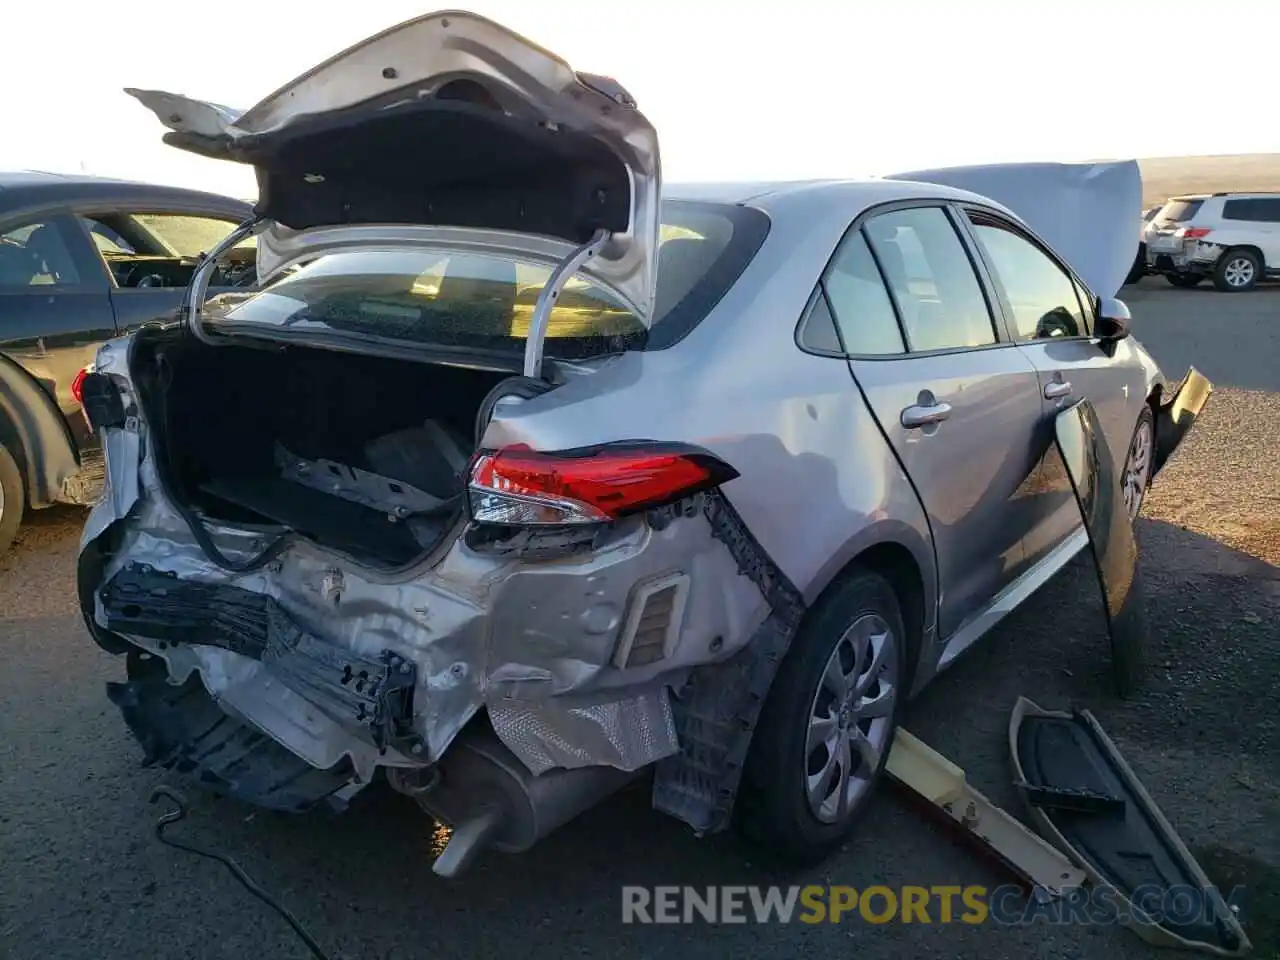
{"x": 1184, "y": 279}
{"x": 1237, "y": 271}
{"x": 12, "y": 499}
{"x": 828, "y": 723}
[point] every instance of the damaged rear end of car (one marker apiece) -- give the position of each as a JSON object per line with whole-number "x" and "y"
{"x": 346, "y": 534}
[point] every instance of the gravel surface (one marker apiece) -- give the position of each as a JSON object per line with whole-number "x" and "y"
{"x": 81, "y": 876}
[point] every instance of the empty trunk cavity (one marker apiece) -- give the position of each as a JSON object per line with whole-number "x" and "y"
{"x": 364, "y": 455}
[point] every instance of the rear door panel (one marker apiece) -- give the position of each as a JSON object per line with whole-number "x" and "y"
{"x": 972, "y": 471}
{"x": 960, "y": 408}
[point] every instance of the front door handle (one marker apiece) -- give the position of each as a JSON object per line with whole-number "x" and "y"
{"x": 1056, "y": 389}
{"x": 922, "y": 416}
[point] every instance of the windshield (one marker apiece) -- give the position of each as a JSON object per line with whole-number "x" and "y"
{"x": 187, "y": 236}
{"x": 1179, "y": 211}
{"x": 462, "y": 300}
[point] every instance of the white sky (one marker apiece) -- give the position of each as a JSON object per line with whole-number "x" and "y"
{"x": 738, "y": 91}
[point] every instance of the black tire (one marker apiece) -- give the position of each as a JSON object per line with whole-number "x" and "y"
{"x": 1234, "y": 264}
{"x": 772, "y": 810}
{"x": 1139, "y": 268}
{"x": 1186, "y": 280}
{"x": 1145, "y": 418}
{"x": 13, "y": 501}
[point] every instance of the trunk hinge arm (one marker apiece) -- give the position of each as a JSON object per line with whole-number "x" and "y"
{"x": 548, "y": 297}
{"x": 199, "y": 284}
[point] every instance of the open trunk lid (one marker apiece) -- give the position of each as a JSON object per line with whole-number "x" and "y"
{"x": 447, "y": 131}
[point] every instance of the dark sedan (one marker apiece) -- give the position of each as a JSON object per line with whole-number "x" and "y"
{"x": 82, "y": 260}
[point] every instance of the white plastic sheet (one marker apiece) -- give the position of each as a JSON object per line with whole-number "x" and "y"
{"x": 1088, "y": 212}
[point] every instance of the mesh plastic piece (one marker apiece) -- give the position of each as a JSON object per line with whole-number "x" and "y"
{"x": 628, "y": 733}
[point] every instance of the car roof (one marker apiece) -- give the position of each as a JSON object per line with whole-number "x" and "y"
{"x": 23, "y": 188}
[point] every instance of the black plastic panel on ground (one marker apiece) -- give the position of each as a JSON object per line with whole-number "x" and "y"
{"x": 1130, "y": 849}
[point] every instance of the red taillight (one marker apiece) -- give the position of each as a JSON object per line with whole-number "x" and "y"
{"x": 77, "y": 385}
{"x": 1195, "y": 233}
{"x": 519, "y": 486}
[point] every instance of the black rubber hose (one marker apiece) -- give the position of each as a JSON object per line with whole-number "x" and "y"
{"x": 178, "y": 813}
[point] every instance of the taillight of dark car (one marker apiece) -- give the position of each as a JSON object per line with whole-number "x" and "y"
{"x": 518, "y": 486}
{"x": 100, "y": 399}
{"x": 77, "y": 385}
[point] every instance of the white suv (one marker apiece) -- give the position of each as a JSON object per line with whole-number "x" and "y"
{"x": 1232, "y": 238}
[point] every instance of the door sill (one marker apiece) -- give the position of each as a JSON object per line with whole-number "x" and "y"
{"x": 1005, "y": 602}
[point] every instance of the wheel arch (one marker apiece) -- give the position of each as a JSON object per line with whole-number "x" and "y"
{"x": 36, "y": 434}
{"x": 897, "y": 552}
{"x": 1251, "y": 247}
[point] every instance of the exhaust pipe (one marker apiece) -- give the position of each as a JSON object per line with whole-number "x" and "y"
{"x": 490, "y": 799}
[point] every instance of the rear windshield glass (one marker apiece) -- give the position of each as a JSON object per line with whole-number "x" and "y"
{"x": 462, "y": 300}
{"x": 1179, "y": 211}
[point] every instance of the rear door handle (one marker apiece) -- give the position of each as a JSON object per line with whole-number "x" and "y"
{"x": 1056, "y": 389}
{"x": 918, "y": 416}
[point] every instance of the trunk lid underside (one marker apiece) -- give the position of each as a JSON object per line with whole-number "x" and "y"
{"x": 446, "y": 122}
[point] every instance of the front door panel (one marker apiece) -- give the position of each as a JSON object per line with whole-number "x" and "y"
{"x": 1115, "y": 386}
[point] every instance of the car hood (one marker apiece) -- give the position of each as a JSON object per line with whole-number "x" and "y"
{"x": 1085, "y": 211}
{"x": 447, "y": 129}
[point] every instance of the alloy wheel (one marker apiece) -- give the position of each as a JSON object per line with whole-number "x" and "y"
{"x": 851, "y": 718}
{"x": 1239, "y": 272}
{"x": 1137, "y": 471}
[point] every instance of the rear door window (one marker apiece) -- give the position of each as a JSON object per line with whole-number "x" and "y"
{"x": 1252, "y": 209}
{"x": 931, "y": 278}
{"x": 1238, "y": 210}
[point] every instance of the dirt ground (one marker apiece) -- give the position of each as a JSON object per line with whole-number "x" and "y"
{"x": 1164, "y": 177}
{"x": 82, "y": 877}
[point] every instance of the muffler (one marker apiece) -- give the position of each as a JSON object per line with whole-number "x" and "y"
{"x": 491, "y": 799}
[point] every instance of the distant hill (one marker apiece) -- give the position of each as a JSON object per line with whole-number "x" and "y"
{"x": 1164, "y": 177}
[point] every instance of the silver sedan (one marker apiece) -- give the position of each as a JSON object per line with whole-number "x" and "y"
{"x": 520, "y": 476}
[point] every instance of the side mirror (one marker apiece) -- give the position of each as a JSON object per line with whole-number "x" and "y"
{"x": 1113, "y": 320}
